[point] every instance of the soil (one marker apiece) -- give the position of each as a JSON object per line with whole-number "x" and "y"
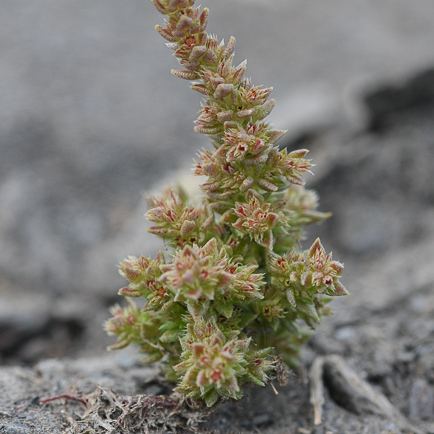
{"x": 368, "y": 369}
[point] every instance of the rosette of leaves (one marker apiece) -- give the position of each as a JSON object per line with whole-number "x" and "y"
{"x": 235, "y": 291}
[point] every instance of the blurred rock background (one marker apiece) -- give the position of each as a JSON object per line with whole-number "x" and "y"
{"x": 91, "y": 120}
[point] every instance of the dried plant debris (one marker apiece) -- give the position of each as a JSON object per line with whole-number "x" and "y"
{"x": 107, "y": 412}
{"x": 351, "y": 392}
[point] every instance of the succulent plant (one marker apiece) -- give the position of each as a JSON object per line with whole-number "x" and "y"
{"x": 235, "y": 290}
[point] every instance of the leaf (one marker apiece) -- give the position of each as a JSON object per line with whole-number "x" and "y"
{"x": 246, "y": 318}
{"x": 265, "y": 239}
{"x": 308, "y": 308}
{"x": 224, "y": 307}
{"x": 290, "y": 296}
{"x": 169, "y": 336}
{"x": 152, "y": 358}
{"x": 254, "y": 379}
{"x": 211, "y": 397}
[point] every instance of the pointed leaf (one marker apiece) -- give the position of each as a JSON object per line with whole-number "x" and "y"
{"x": 224, "y": 307}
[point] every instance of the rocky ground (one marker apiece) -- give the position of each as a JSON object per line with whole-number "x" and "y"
{"x": 83, "y": 137}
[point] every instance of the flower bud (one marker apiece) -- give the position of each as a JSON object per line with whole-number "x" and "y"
{"x": 165, "y": 33}
{"x": 201, "y": 88}
{"x": 223, "y": 90}
{"x": 275, "y": 135}
{"x": 267, "y": 185}
{"x": 183, "y": 23}
{"x": 225, "y": 115}
{"x": 204, "y": 19}
{"x": 197, "y": 52}
{"x": 187, "y": 228}
{"x": 229, "y": 49}
{"x": 210, "y": 57}
{"x": 159, "y": 6}
{"x": 239, "y": 73}
{"x": 186, "y": 75}
{"x": 265, "y": 109}
{"x": 246, "y": 113}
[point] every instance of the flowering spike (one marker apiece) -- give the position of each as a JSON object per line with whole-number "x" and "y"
{"x": 235, "y": 287}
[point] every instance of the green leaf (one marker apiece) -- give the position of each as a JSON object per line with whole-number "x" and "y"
{"x": 211, "y": 397}
{"x": 152, "y": 358}
{"x": 170, "y": 336}
{"x": 308, "y": 308}
{"x": 246, "y": 318}
{"x": 254, "y": 379}
{"x": 224, "y": 307}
